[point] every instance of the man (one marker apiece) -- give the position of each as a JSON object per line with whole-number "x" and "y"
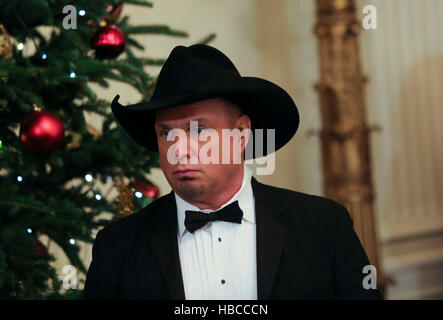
{"x": 220, "y": 234}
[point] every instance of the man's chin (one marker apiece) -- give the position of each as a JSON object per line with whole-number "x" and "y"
{"x": 189, "y": 187}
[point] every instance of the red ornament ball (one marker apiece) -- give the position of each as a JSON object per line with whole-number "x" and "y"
{"x": 42, "y": 132}
{"x": 108, "y": 42}
{"x": 148, "y": 190}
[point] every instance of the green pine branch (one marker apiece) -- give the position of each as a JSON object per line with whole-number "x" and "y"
{"x": 44, "y": 201}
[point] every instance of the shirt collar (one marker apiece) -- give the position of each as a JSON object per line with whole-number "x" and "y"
{"x": 244, "y": 196}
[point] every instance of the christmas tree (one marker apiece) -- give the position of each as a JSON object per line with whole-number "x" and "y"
{"x": 51, "y": 159}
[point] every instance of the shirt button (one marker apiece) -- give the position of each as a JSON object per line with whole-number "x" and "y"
{"x": 223, "y": 281}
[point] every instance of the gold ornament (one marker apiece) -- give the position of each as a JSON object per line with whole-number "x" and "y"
{"x": 77, "y": 137}
{"x": 113, "y": 13}
{"x": 5, "y": 43}
{"x": 125, "y": 196}
{"x": 35, "y": 107}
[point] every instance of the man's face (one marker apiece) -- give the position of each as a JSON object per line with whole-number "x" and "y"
{"x": 193, "y": 181}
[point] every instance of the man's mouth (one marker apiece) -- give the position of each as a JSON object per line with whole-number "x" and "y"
{"x": 181, "y": 173}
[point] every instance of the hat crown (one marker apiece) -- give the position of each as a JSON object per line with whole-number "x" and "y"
{"x": 188, "y": 69}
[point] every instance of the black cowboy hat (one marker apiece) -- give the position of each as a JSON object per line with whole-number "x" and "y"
{"x": 201, "y": 72}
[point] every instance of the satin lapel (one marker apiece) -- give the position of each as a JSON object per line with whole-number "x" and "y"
{"x": 164, "y": 245}
{"x": 270, "y": 239}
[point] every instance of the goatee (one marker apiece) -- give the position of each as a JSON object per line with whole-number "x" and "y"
{"x": 190, "y": 190}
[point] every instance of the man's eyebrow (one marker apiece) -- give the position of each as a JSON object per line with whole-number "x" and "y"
{"x": 203, "y": 119}
{"x": 161, "y": 126}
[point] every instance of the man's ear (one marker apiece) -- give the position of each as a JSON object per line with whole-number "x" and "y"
{"x": 243, "y": 122}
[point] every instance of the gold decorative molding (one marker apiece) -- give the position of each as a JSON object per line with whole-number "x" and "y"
{"x": 345, "y": 133}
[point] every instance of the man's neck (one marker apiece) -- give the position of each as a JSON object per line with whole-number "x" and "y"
{"x": 215, "y": 201}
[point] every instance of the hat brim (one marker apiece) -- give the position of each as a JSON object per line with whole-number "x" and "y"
{"x": 268, "y": 106}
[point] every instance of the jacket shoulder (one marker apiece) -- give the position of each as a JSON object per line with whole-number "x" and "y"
{"x": 291, "y": 198}
{"x": 315, "y": 209}
{"x": 127, "y": 227}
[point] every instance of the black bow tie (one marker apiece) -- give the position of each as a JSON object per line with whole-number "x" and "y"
{"x": 197, "y": 219}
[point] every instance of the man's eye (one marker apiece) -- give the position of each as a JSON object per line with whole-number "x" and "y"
{"x": 200, "y": 130}
{"x": 165, "y": 132}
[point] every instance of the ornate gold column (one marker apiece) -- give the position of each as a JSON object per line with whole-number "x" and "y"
{"x": 345, "y": 133}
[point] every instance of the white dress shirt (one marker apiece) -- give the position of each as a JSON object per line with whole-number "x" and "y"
{"x": 218, "y": 261}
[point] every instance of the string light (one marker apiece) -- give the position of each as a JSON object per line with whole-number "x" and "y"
{"x": 44, "y": 56}
{"x": 29, "y": 230}
{"x": 97, "y": 196}
{"x": 88, "y": 177}
{"x": 72, "y": 241}
{"x": 20, "y": 46}
{"x": 138, "y": 194}
{"x": 1, "y": 144}
{"x": 81, "y": 12}
{"x": 19, "y": 178}
{"x": 72, "y": 75}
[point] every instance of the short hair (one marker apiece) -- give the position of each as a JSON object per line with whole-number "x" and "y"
{"x": 234, "y": 101}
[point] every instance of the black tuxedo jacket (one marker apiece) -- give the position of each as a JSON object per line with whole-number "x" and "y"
{"x": 306, "y": 249}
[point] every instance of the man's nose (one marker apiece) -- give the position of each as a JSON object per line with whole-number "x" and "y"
{"x": 187, "y": 149}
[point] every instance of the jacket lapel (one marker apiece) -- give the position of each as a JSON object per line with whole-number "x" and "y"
{"x": 271, "y": 234}
{"x": 164, "y": 245}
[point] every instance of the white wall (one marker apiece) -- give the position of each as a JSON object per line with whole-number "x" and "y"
{"x": 404, "y": 61}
